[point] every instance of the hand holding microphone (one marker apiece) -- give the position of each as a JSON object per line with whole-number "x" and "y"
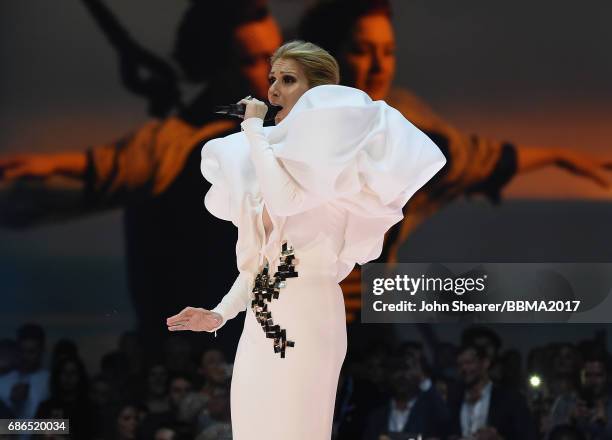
{"x": 248, "y": 108}
{"x": 254, "y": 108}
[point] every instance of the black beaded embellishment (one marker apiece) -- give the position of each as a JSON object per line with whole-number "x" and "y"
{"x": 267, "y": 288}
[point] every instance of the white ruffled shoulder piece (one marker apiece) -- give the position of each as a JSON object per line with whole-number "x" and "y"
{"x": 226, "y": 165}
{"x": 340, "y": 147}
{"x": 234, "y": 194}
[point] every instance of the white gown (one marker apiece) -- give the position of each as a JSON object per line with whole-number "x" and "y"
{"x": 328, "y": 181}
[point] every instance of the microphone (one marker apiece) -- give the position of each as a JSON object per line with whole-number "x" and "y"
{"x": 237, "y": 110}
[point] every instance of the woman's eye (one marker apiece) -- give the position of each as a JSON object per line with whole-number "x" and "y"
{"x": 288, "y": 79}
{"x": 270, "y": 80}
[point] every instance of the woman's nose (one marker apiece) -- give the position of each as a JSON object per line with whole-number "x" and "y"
{"x": 376, "y": 62}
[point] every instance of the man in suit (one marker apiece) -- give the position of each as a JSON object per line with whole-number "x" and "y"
{"x": 410, "y": 410}
{"x": 484, "y": 410}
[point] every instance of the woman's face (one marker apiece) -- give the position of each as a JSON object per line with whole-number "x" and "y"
{"x": 69, "y": 377}
{"x": 158, "y": 380}
{"x": 213, "y": 366}
{"x": 287, "y": 83}
{"x": 127, "y": 422}
{"x": 367, "y": 59}
{"x": 100, "y": 393}
{"x": 179, "y": 387}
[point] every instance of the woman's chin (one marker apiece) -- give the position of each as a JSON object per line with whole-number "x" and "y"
{"x": 279, "y": 116}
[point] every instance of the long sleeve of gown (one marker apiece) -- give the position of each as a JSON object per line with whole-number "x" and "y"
{"x": 235, "y": 300}
{"x": 282, "y": 194}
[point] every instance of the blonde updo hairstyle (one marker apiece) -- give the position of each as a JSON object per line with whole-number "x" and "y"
{"x": 319, "y": 66}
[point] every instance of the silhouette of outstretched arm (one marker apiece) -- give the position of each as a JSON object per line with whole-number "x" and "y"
{"x": 142, "y": 72}
{"x": 578, "y": 163}
{"x": 39, "y": 188}
{"x": 477, "y": 164}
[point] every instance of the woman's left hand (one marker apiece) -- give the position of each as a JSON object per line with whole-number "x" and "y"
{"x": 254, "y": 108}
{"x": 195, "y": 319}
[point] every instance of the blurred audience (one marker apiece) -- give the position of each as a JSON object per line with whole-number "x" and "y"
{"x": 386, "y": 391}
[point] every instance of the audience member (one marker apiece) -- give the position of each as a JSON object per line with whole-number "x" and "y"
{"x": 25, "y": 387}
{"x": 590, "y": 409}
{"x": 484, "y": 409}
{"x": 123, "y": 421}
{"x": 69, "y": 397}
{"x": 155, "y": 390}
{"x": 409, "y": 409}
{"x": 179, "y": 386}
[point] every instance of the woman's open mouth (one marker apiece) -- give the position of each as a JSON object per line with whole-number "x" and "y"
{"x": 278, "y": 109}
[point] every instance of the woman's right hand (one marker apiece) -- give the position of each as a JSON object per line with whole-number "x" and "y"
{"x": 194, "y": 319}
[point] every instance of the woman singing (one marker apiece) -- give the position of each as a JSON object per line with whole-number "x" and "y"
{"x": 311, "y": 196}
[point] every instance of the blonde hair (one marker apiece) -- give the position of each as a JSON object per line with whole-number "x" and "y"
{"x": 320, "y": 67}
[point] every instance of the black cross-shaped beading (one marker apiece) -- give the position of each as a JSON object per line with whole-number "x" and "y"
{"x": 266, "y": 289}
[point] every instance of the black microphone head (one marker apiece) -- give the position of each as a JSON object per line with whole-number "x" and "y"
{"x": 236, "y": 110}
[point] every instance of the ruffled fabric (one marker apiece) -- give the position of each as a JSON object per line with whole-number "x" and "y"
{"x": 340, "y": 147}
{"x": 234, "y": 194}
{"x": 225, "y": 164}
